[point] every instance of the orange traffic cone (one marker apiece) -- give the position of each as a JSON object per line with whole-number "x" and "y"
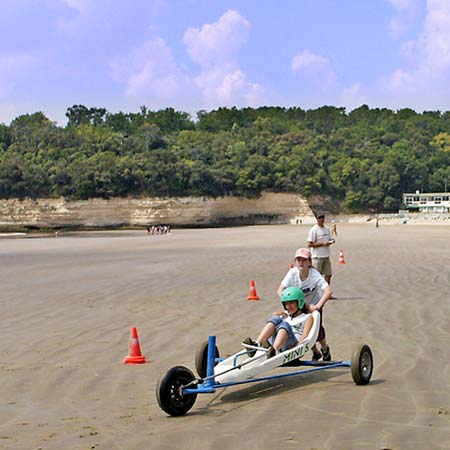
{"x": 291, "y": 266}
{"x": 252, "y": 295}
{"x": 135, "y": 356}
{"x": 341, "y": 257}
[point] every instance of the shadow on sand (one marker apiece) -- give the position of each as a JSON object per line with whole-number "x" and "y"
{"x": 222, "y": 403}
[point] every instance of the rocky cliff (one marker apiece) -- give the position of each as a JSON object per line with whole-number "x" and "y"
{"x": 180, "y": 211}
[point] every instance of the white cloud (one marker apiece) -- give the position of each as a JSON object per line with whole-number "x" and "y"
{"x": 218, "y": 43}
{"x": 353, "y": 96}
{"x": 151, "y": 75}
{"x": 221, "y": 88}
{"x": 216, "y": 48}
{"x": 407, "y": 12}
{"x": 432, "y": 57}
{"x": 306, "y": 61}
{"x": 401, "y": 80}
{"x": 435, "y": 40}
{"x": 422, "y": 82}
{"x": 313, "y": 70}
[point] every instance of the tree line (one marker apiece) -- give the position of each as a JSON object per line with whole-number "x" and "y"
{"x": 364, "y": 159}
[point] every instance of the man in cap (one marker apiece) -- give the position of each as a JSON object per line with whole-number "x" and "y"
{"x": 319, "y": 240}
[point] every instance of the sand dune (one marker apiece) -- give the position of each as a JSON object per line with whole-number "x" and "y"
{"x": 67, "y": 305}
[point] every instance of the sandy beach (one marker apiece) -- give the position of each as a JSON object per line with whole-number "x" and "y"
{"x": 67, "y": 305}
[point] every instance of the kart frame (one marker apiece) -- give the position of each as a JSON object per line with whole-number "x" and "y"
{"x": 177, "y": 390}
{"x": 208, "y": 385}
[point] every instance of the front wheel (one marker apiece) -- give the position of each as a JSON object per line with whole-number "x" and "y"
{"x": 201, "y": 358}
{"x": 362, "y": 364}
{"x": 169, "y": 391}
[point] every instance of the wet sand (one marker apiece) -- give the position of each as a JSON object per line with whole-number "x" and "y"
{"x": 67, "y": 305}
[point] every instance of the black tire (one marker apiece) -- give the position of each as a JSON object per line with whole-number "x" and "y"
{"x": 362, "y": 364}
{"x": 168, "y": 391}
{"x": 201, "y": 358}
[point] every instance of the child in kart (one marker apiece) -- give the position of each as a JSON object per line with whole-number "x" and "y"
{"x": 287, "y": 328}
{"x": 316, "y": 291}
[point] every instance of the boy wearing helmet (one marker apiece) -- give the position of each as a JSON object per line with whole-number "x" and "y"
{"x": 287, "y": 328}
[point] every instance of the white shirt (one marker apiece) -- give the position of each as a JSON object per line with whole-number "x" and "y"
{"x": 297, "y": 324}
{"x": 313, "y": 286}
{"x": 319, "y": 234}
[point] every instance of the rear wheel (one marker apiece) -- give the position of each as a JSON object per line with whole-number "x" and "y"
{"x": 201, "y": 358}
{"x": 169, "y": 391}
{"x": 362, "y": 364}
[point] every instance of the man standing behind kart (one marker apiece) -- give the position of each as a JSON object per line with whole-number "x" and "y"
{"x": 319, "y": 240}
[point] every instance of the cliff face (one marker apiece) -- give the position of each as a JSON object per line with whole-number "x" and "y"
{"x": 180, "y": 211}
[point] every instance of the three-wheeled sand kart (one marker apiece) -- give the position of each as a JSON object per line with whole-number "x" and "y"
{"x": 177, "y": 390}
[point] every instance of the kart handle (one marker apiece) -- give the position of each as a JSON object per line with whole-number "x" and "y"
{"x": 208, "y": 381}
{"x": 210, "y": 377}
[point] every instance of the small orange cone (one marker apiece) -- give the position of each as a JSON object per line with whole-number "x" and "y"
{"x": 341, "y": 257}
{"x": 252, "y": 295}
{"x": 291, "y": 266}
{"x": 135, "y": 356}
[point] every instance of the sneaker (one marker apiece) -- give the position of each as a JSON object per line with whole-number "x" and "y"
{"x": 316, "y": 356}
{"x": 326, "y": 353}
{"x": 271, "y": 352}
{"x": 249, "y": 341}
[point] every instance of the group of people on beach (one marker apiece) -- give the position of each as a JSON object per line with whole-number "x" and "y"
{"x": 158, "y": 229}
{"x": 305, "y": 288}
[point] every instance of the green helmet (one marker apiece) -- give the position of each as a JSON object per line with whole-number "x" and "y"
{"x": 293, "y": 293}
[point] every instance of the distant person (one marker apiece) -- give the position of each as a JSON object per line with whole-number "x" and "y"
{"x": 334, "y": 228}
{"x": 319, "y": 240}
{"x": 316, "y": 291}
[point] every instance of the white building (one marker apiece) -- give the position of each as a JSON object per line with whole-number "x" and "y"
{"x": 436, "y": 202}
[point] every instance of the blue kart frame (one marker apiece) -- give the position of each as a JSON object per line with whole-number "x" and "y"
{"x": 177, "y": 390}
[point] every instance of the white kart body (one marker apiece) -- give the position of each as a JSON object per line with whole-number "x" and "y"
{"x": 257, "y": 364}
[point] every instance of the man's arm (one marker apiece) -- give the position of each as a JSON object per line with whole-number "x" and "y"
{"x": 319, "y": 244}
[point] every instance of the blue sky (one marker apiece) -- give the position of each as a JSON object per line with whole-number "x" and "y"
{"x": 200, "y": 54}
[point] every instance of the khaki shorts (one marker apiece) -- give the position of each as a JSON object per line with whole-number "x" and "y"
{"x": 323, "y": 265}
